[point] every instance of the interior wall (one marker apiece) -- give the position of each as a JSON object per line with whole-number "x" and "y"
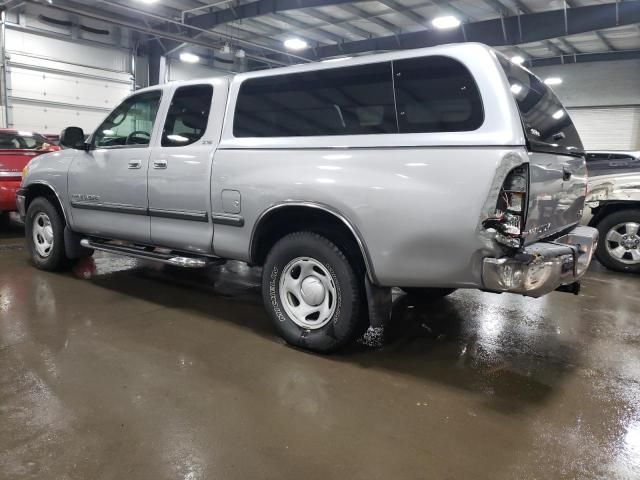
{"x": 177, "y": 70}
{"x": 61, "y": 75}
{"x": 603, "y": 99}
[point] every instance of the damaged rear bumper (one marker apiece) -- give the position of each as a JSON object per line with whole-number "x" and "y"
{"x": 543, "y": 266}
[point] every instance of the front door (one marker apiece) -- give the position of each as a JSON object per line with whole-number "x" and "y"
{"x": 108, "y": 183}
{"x": 180, "y": 169}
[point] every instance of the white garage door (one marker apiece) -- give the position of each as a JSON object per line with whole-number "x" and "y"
{"x": 76, "y": 86}
{"x": 608, "y": 128}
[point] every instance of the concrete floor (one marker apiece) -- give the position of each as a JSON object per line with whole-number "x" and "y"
{"x": 127, "y": 370}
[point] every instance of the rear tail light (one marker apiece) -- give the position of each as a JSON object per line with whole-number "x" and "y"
{"x": 509, "y": 217}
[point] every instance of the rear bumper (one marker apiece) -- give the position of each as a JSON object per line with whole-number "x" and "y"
{"x": 8, "y": 189}
{"x": 544, "y": 266}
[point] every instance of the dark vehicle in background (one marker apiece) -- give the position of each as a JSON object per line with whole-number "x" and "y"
{"x": 17, "y": 148}
{"x": 613, "y": 207}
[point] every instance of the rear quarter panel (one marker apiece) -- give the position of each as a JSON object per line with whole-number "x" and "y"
{"x": 418, "y": 210}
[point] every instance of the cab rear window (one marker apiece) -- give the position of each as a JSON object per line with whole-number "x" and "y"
{"x": 547, "y": 125}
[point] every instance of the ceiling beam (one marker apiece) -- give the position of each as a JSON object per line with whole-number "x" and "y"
{"x": 605, "y": 41}
{"x": 526, "y": 28}
{"x": 256, "y": 9}
{"x": 332, "y": 21}
{"x": 361, "y": 14}
{"x": 587, "y": 57}
{"x": 401, "y": 9}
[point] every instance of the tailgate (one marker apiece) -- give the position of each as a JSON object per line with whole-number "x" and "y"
{"x": 557, "y": 171}
{"x": 12, "y": 161}
{"x": 557, "y": 186}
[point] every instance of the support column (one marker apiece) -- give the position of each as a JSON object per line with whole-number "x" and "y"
{"x": 157, "y": 64}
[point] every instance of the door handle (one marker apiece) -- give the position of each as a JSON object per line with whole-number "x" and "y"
{"x": 566, "y": 174}
{"x": 134, "y": 164}
{"x": 161, "y": 163}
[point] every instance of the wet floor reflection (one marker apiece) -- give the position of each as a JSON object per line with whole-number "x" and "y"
{"x": 185, "y": 365}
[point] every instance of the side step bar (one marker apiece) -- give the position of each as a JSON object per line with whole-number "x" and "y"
{"x": 137, "y": 252}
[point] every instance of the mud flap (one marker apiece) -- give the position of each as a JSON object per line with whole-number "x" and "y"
{"x": 72, "y": 246}
{"x": 379, "y": 305}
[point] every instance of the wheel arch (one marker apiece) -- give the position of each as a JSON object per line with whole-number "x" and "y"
{"x": 288, "y": 217}
{"x": 607, "y": 208}
{"x": 44, "y": 189}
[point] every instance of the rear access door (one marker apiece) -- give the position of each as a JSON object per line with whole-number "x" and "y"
{"x": 181, "y": 164}
{"x": 557, "y": 171}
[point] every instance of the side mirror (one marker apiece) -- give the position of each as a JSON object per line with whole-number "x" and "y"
{"x": 72, "y": 137}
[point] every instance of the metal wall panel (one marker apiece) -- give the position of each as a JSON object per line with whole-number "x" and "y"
{"x": 608, "y": 128}
{"x": 67, "y": 51}
{"x": 54, "y": 83}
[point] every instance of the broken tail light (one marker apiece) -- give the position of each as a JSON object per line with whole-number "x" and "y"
{"x": 510, "y": 214}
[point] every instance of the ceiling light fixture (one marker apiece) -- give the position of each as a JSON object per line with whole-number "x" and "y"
{"x": 553, "y": 81}
{"x": 339, "y": 59}
{"x": 448, "y": 21}
{"x": 187, "y": 57}
{"x": 295, "y": 44}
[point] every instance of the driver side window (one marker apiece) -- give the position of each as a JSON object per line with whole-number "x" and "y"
{"x": 131, "y": 123}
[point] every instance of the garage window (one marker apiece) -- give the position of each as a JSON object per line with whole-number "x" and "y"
{"x": 436, "y": 94}
{"x": 339, "y": 101}
{"x": 188, "y": 116}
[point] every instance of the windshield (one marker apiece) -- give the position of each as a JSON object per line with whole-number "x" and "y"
{"x": 22, "y": 140}
{"x": 547, "y": 124}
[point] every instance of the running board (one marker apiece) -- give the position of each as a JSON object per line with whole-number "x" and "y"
{"x": 139, "y": 252}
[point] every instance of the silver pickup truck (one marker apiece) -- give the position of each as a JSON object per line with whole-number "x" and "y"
{"x": 430, "y": 170}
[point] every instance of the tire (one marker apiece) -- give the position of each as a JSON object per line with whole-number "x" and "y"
{"x": 618, "y": 231}
{"x": 44, "y": 230}
{"x": 428, "y": 294}
{"x": 5, "y": 220}
{"x": 307, "y": 262}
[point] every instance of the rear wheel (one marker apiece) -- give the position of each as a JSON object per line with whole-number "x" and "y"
{"x": 619, "y": 244}
{"x": 44, "y": 229}
{"x": 312, "y": 293}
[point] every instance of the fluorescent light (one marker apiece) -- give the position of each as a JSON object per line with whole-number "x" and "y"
{"x": 448, "y": 21}
{"x": 189, "y": 57}
{"x": 518, "y": 59}
{"x": 558, "y": 115}
{"x": 144, "y": 1}
{"x": 339, "y": 59}
{"x": 516, "y": 88}
{"x": 295, "y": 44}
{"x": 553, "y": 81}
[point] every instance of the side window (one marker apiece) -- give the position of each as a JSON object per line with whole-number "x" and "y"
{"x": 188, "y": 115}
{"x": 131, "y": 123}
{"x": 436, "y": 94}
{"x": 337, "y": 101}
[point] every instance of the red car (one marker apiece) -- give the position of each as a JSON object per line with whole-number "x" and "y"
{"x": 16, "y": 149}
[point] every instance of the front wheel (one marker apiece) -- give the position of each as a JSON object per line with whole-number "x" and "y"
{"x": 44, "y": 229}
{"x": 619, "y": 244}
{"x": 312, "y": 293}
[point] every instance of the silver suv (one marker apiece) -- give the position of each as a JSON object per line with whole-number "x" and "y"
{"x": 430, "y": 170}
